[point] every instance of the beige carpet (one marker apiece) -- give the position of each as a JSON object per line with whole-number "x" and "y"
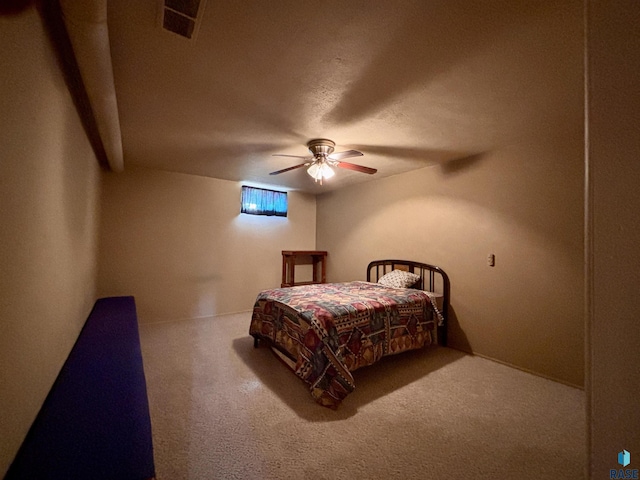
{"x": 221, "y": 409}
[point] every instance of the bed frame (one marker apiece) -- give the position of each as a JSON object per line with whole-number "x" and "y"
{"x": 432, "y": 279}
{"x": 322, "y": 366}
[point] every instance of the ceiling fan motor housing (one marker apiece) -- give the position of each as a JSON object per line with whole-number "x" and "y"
{"x": 321, "y": 146}
{"x": 322, "y": 161}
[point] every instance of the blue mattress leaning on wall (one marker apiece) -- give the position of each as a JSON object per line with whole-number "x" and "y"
{"x": 95, "y": 422}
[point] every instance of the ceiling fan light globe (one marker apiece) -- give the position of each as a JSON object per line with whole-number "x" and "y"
{"x": 320, "y": 171}
{"x": 313, "y": 171}
{"x": 326, "y": 171}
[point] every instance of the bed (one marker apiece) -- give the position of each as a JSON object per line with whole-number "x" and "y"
{"x": 323, "y": 332}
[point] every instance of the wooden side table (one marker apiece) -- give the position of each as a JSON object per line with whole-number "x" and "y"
{"x": 291, "y": 257}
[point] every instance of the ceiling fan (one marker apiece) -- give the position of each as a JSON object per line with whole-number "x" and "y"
{"x": 323, "y": 159}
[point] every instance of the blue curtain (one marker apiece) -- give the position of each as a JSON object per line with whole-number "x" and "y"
{"x": 258, "y": 201}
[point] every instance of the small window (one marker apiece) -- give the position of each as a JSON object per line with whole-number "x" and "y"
{"x": 258, "y": 201}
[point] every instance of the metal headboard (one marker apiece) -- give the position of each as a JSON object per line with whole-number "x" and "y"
{"x": 432, "y": 278}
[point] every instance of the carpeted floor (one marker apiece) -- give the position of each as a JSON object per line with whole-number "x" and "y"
{"x": 221, "y": 409}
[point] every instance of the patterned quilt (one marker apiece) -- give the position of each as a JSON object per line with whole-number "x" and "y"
{"x": 329, "y": 330}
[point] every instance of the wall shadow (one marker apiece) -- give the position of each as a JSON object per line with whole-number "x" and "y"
{"x": 56, "y": 31}
{"x": 456, "y": 337}
{"x": 461, "y": 164}
{"x": 14, "y": 7}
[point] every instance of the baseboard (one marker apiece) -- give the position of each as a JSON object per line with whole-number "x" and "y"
{"x": 517, "y": 367}
{"x": 185, "y": 319}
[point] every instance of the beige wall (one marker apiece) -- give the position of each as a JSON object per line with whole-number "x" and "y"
{"x": 613, "y": 249}
{"x": 49, "y": 189}
{"x": 518, "y": 196}
{"x": 179, "y": 244}
{"x": 523, "y": 204}
{"x": 520, "y": 203}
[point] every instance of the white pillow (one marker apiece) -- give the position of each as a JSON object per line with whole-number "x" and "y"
{"x": 399, "y": 279}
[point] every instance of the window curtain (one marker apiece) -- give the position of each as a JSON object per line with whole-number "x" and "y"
{"x": 258, "y": 201}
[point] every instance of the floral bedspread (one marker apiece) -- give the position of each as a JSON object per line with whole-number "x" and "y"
{"x": 329, "y": 330}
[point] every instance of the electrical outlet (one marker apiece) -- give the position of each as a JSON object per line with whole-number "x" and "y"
{"x": 491, "y": 260}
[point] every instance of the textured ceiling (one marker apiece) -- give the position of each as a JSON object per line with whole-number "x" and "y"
{"x": 408, "y": 83}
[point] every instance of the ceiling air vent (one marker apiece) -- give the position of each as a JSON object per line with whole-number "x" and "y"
{"x": 181, "y": 16}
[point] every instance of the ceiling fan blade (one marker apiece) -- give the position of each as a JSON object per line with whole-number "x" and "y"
{"x": 294, "y": 156}
{"x": 357, "y": 168}
{"x": 287, "y": 169}
{"x": 345, "y": 154}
